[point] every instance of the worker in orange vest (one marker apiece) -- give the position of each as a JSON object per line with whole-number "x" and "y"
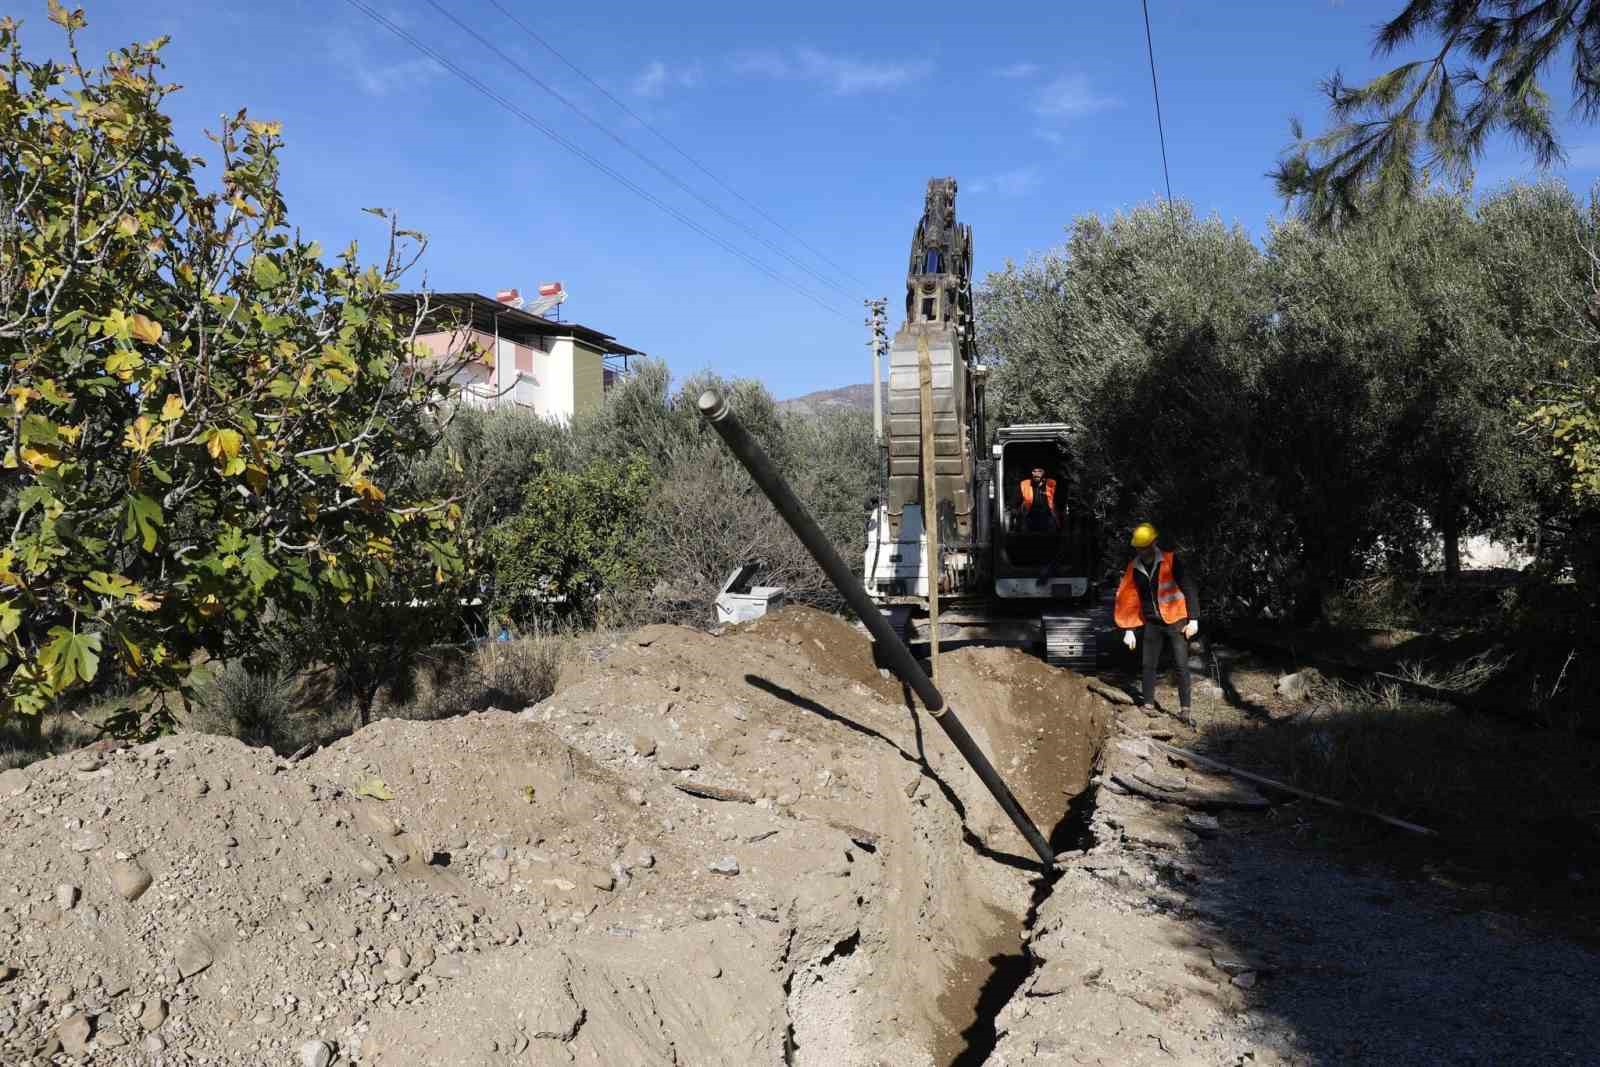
{"x": 1156, "y": 596}
{"x": 1039, "y": 502}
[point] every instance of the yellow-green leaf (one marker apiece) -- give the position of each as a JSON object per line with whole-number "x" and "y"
{"x": 172, "y": 409}
{"x": 70, "y": 657}
{"x": 223, "y": 443}
{"x": 142, "y": 329}
{"x": 123, "y": 363}
{"x": 374, "y": 788}
{"x": 116, "y": 585}
{"x": 67, "y": 20}
{"x": 143, "y": 435}
{"x": 40, "y": 458}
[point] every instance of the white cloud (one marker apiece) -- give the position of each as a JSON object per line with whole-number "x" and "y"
{"x": 380, "y": 78}
{"x": 657, "y": 78}
{"x": 1016, "y": 182}
{"x": 763, "y": 62}
{"x": 1018, "y": 70}
{"x": 839, "y": 74}
{"x": 1070, "y": 96}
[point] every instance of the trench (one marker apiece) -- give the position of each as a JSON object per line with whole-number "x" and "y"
{"x": 991, "y": 983}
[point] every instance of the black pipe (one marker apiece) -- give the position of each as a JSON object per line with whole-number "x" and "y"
{"x": 722, "y": 419}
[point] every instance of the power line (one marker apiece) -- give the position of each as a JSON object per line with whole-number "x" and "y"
{"x": 641, "y": 120}
{"x": 1160, "y": 127}
{"x": 629, "y": 148}
{"x": 576, "y": 150}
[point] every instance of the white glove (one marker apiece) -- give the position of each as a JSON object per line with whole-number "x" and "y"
{"x": 1193, "y": 628}
{"x": 1129, "y": 640}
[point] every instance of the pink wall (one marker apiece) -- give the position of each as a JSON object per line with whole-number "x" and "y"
{"x": 444, "y": 342}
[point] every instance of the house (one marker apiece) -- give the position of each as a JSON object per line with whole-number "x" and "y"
{"x": 555, "y": 369}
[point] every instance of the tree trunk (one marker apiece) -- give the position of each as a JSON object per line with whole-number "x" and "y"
{"x": 1450, "y": 526}
{"x": 364, "y": 700}
{"x": 31, "y": 731}
{"x": 1311, "y": 601}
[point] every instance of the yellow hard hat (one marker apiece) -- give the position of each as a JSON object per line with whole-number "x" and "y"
{"x": 1144, "y": 535}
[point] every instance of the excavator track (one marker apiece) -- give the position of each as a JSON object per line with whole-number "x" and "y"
{"x": 1076, "y": 639}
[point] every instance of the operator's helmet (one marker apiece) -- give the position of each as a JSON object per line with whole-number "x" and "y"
{"x": 1144, "y": 535}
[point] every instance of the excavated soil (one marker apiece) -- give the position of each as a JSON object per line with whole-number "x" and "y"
{"x": 736, "y": 849}
{"x": 703, "y": 849}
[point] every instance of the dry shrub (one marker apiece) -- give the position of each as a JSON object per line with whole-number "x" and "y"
{"x": 495, "y": 674}
{"x": 255, "y": 706}
{"x": 518, "y": 672}
{"x": 705, "y": 519}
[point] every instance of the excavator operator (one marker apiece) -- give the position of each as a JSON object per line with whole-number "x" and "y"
{"x": 1039, "y": 503}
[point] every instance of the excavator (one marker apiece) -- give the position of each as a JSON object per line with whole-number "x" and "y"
{"x": 1002, "y": 571}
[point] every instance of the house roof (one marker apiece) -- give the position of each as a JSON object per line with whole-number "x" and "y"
{"x": 492, "y": 316}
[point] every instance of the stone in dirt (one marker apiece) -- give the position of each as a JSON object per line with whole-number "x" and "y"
{"x": 1150, "y": 831}
{"x": 1299, "y": 685}
{"x": 1204, "y": 825}
{"x": 636, "y": 857}
{"x": 88, "y": 841}
{"x": 1060, "y": 974}
{"x": 677, "y": 758}
{"x": 153, "y": 1014}
{"x": 66, "y": 897}
{"x": 194, "y": 956}
{"x": 553, "y": 1013}
{"x": 644, "y": 746}
{"x": 726, "y": 865}
{"x": 75, "y": 1032}
{"x": 1110, "y": 692}
{"x": 130, "y": 880}
{"x": 315, "y": 1054}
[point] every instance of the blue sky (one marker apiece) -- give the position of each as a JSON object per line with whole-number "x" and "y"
{"x": 830, "y": 117}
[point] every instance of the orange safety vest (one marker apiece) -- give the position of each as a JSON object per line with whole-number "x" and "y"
{"x": 1049, "y": 493}
{"x": 1129, "y": 615}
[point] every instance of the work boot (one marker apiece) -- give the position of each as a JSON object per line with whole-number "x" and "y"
{"x": 1185, "y": 716}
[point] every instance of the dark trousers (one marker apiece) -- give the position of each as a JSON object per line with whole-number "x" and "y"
{"x": 1154, "y": 633}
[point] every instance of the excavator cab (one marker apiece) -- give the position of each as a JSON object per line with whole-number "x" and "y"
{"x": 1033, "y": 559}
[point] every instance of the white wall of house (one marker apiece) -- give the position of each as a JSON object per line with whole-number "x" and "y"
{"x": 566, "y": 379}
{"x": 558, "y": 392}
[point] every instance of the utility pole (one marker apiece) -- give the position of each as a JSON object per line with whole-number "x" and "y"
{"x": 878, "y": 343}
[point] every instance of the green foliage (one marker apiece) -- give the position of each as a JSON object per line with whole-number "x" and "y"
{"x": 637, "y": 513}
{"x": 1436, "y": 114}
{"x": 206, "y": 421}
{"x": 1297, "y": 416}
{"x": 834, "y": 470}
{"x": 1144, "y": 335}
{"x": 575, "y": 536}
{"x": 1568, "y": 418}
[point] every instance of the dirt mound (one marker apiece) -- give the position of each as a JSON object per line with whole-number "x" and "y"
{"x": 737, "y": 849}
